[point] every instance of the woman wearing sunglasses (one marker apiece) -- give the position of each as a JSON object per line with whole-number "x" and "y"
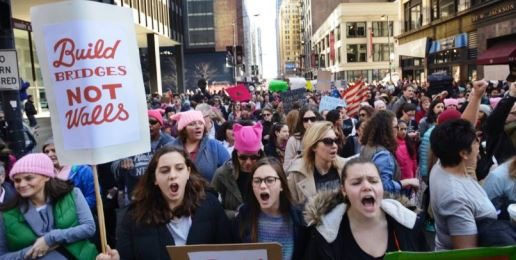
{"x": 231, "y": 179}
{"x": 320, "y": 167}
{"x": 294, "y": 146}
{"x": 268, "y": 215}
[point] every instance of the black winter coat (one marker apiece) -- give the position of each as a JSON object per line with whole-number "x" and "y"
{"x": 139, "y": 241}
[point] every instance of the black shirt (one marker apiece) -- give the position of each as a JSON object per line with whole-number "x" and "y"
{"x": 353, "y": 250}
{"x": 244, "y": 178}
{"x": 329, "y": 181}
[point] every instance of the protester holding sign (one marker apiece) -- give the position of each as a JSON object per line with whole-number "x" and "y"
{"x": 50, "y": 219}
{"x": 357, "y": 223}
{"x": 206, "y": 153}
{"x": 268, "y": 215}
{"x": 171, "y": 206}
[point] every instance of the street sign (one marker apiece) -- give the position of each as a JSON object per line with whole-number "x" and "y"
{"x": 9, "y": 77}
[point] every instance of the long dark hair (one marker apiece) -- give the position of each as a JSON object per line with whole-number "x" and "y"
{"x": 409, "y": 142}
{"x": 273, "y": 138}
{"x": 54, "y": 189}
{"x": 378, "y": 131}
{"x": 254, "y": 205}
{"x": 431, "y": 117}
{"x": 150, "y": 207}
{"x": 300, "y": 130}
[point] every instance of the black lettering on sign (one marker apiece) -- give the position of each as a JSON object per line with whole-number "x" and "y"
{"x": 4, "y": 69}
{"x": 2, "y": 59}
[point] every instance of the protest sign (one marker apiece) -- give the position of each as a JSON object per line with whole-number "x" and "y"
{"x": 9, "y": 70}
{"x": 330, "y": 103}
{"x": 93, "y": 80}
{"x": 323, "y": 80}
{"x": 483, "y": 253}
{"x": 263, "y": 251}
{"x": 288, "y": 98}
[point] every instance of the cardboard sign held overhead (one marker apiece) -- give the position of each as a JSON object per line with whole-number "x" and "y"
{"x": 323, "y": 80}
{"x": 330, "y": 103}
{"x": 93, "y": 80}
{"x": 288, "y": 98}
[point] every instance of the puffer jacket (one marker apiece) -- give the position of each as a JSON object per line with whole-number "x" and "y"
{"x": 325, "y": 213}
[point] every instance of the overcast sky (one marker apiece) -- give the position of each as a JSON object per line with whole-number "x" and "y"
{"x": 266, "y": 20}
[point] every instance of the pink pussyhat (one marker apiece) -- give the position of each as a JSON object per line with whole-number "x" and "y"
{"x": 248, "y": 139}
{"x": 185, "y": 118}
{"x": 34, "y": 163}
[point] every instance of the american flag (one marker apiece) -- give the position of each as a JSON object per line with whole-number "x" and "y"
{"x": 354, "y": 95}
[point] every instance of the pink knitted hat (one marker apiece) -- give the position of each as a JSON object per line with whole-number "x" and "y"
{"x": 451, "y": 102}
{"x": 494, "y": 101}
{"x": 248, "y": 139}
{"x": 156, "y": 114}
{"x": 185, "y": 118}
{"x": 35, "y": 163}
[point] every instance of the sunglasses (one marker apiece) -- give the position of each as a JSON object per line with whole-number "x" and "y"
{"x": 153, "y": 122}
{"x": 267, "y": 114}
{"x": 362, "y": 115}
{"x": 329, "y": 141}
{"x": 306, "y": 119}
{"x": 245, "y": 157}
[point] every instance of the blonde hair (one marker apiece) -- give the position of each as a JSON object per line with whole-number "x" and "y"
{"x": 312, "y": 136}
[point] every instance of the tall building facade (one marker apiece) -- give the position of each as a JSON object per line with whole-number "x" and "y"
{"x": 213, "y": 42}
{"x": 356, "y": 41}
{"x": 461, "y": 38}
{"x": 289, "y": 37}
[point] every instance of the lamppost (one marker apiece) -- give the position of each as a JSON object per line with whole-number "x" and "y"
{"x": 234, "y": 53}
{"x": 388, "y": 44}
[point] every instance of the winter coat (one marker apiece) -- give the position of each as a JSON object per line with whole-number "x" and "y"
{"x": 293, "y": 150}
{"x": 408, "y": 165}
{"x": 140, "y": 241}
{"x": 225, "y": 183}
{"x": 424, "y": 153}
{"x": 324, "y": 216}
{"x": 387, "y": 164}
{"x": 211, "y": 155}
{"x": 82, "y": 178}
{"x": 301, "y": 183}
{"x": 295, "y": 214}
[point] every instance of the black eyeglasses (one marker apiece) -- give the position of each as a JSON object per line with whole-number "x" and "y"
{"x": 306, "y": 119}
{"x": 245, "y": 157}
{"x": 153, "y": 122}
{"x": 329, "y": 141}
{"x": 269, "y": 181}
{"x": 362, "y": 115}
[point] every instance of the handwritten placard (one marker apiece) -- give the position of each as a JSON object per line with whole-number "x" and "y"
{"x": 330, "y": 103}
{"x": 93, "y": 80}
{"x": 288, "y": 98}
{"x": 323, "y": 80}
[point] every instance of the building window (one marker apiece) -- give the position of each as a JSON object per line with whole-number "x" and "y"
{"x": 337, "y": 32}
{"x": 464, "y": 5}
{"x": 447, "y": 8}
{"x": 327, "y": 41}
{"x": 380, "y": 29}
{"x": 338, "y": 55}
{"x": 435, "y": 9}
{"x": 413, "y": 15}
{"x": 357, "y": 29}
{"x": 357, "y": 52}
{"x": 381, "y": 52}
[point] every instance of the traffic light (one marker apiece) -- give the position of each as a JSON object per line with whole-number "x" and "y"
{"x": 239, "y": 55}
{"x": 229, "y": 56}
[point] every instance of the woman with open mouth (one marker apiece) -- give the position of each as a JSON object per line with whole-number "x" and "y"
{"x": 357, "y": 223}
{"x": 171, "y": 206}
{"x": 48, "y": 219}
{"x": 320, "y": 166}
{"x": 206, "y": 153}
{"x": 269, "y": 215}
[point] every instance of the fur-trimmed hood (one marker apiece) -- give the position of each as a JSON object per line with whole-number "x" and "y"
{"x": 325, "y": 211}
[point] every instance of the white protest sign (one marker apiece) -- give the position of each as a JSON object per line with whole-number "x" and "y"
{"x": 323, "y": 80}
{"x": 9, "y": 70}
{"x": 330, "y": 103}
{"x": 229, "y": 255}
{"x": 93, "y": 81}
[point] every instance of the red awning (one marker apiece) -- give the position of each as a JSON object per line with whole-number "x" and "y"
{"x": 500, "y": 53}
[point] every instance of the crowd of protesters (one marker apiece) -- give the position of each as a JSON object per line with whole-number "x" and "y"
{"x": 412, "y": 170}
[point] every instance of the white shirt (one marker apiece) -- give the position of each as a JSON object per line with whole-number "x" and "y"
{"x": 179, "y": 228}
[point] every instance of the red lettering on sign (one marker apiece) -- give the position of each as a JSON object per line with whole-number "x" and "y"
{"x": 68, "y": 54}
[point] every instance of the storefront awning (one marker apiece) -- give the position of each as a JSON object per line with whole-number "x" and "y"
{"x": 501, "y": 53}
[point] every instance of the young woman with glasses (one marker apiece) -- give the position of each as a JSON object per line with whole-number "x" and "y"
{"x": 294, "y": 146}
{"x": 231, "y": 179}
{"x": 268, "y": 215}
{"x": 320, "y": 167}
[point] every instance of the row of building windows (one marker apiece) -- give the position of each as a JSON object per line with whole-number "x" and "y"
{"x": 439, "y": 9}
{"x": 358, "y": 53}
